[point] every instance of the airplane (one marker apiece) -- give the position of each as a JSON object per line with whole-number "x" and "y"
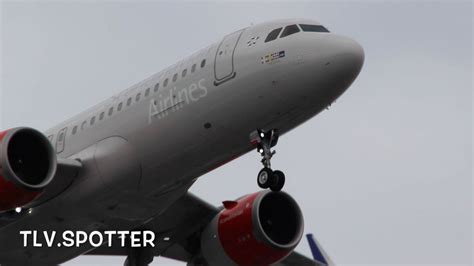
{"x": 128, "y": 162}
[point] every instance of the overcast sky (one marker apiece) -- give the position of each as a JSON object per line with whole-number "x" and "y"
{"x": 383, "y": 177}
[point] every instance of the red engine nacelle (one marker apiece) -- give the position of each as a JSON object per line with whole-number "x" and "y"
{"x": 257, "y": 229}
{"x": 27, "y": 165}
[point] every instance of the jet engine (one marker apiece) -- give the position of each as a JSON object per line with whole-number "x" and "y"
{"x": 257, "y": 229}
{"x": 27, "y": 165}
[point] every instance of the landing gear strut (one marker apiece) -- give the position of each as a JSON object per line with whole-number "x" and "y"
{"x": 264, "y": 141}
{"x": 138, "y": 256}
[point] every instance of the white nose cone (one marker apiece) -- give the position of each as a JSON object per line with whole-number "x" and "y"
{"x": 348, "y": 56}
{"x": 343, "y": 61}
{"x": 355, "y": 56}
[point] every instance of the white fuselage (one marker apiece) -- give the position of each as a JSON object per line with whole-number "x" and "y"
{"x": 138, "y": 160}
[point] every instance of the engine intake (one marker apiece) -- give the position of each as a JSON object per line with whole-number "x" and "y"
{"x": 280, "y": 219}
{"x": 257, "y": 229}
{"x": 27, "y": 165}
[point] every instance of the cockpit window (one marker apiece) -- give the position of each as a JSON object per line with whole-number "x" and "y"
{"x": 291, "y": 29}
{"x": 273, "y": 35}
{"x": 313, "y": 28}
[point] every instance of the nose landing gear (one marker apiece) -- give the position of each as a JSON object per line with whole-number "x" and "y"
{"x": 267, "y": 178}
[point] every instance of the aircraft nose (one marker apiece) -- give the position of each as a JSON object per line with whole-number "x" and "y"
{"x": 355, "y": 56}
{"x": 347, "y": 57}
{"x": 342, "y": 59}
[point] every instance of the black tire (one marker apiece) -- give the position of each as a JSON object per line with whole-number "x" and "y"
{"x": 265, "y": 177}
{"x": 278, "y": 180}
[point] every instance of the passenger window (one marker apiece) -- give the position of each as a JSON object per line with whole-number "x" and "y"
{"x": 291, "y": 29}
{"x": 83, "y": 126}
{"x": 74, "y": 130}
{"x": 157, "y": 86}
{"x": 193, "y": 68}
{"x": 129, "y": 101}
{"x": 273, "y": 35}
{"x": 137, "y": 98}
{"x": 111, "y": 111}
{"x": 92, "y": 120}
{"x": 165, "y": 83}
{"x": 119, "y": 108}
{"x": 313, "y": 28}
{"x": 175, "y": 77}
{"x": 147, "y": 92}
{"x": 101, "y": 116}
{"x": 203, "y": 63}
{"x": 184, "y": 72}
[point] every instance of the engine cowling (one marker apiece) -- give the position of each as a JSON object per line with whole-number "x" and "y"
{"x": 257, "y": 229}
{"x": 27, "y": 165}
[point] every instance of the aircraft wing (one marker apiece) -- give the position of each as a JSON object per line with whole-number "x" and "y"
{"x": 296, "y": 258}
{"x": 178, "y": 233}
{"x": 174, "y": 229}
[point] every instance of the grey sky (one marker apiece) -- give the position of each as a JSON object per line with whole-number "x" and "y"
{"x": 383, "y": 177}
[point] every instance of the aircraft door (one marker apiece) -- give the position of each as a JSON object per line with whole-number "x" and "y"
{"x": 60, "y": 141}
{"x": 224, "y": 61}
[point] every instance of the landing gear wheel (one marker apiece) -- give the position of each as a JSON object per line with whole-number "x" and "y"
{"x": 265, "y": 177}
{"x": 278, "y": 180}
{"x": 264, "y": 141}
